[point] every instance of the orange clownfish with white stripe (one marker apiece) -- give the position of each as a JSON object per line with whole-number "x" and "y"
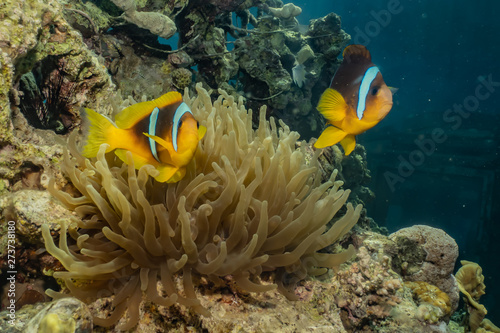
{"x": 162, "y": 132}
{"x": 357, "y": 100}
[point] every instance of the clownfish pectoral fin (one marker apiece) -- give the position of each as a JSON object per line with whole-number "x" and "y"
{"x": 139, "y": 161}
{"x": 202, "y": 130}
{"x": 100, "y": 130}
{"x": 393, "y": 90}
{"x": 348, "y": 143}
{"x": 332, "y": 105}
{"x": 169, "y": 173}
{"x": 159, "y": 141}
{"x": 330, "y": 136}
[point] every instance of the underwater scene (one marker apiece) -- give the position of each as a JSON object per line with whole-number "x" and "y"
{"x": 249, "y": 166}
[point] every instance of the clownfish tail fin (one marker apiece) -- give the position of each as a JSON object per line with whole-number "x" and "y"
{"x": 99, "y": 130}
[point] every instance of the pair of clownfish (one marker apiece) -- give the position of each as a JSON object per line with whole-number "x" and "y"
{"x": 165, "y": 134}
{"x": 162, "y": 132}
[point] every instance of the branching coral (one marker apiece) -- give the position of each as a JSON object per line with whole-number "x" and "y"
{"x": 249, "y": 203}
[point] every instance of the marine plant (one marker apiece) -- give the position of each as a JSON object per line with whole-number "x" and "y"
{"x": 250, "y": 202}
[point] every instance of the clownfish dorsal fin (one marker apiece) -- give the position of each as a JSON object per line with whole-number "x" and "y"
{"x": 168, "y": 99}
{"x": 129, "y": 116}
{"x": 132, "y": 114}
{"x": 356, "y": 52}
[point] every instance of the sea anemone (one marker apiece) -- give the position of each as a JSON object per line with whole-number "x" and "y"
{"x": 249, "y": 203}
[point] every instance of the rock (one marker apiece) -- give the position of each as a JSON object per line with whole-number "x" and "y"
{"x": 233, "y": 311}
{"x": 39, "y": 35}
{"x": 436, "y": 261}
{"x": 59, "y": 316}
{"x": 31, "y": 209}
{"x": 287, "y": 11}
{"x": 158, "y": 24}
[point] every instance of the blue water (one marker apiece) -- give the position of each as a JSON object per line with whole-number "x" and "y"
{"x": 443, "y": 57}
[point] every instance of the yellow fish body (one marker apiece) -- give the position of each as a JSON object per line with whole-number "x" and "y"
{"x": 357, "y": 100}
{"x": 162, "y": 132}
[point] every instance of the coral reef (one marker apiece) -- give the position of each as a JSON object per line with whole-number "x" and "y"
{"x": 95, "y": 52}
{"x": 287, "y": 11}
{"x": 156, "y": 23}
{"x": 181, "y": 78}
{"x": 368, "y": 290}
{"x": 31, "y": 209}
{"x": 249, "y": 204}
{"x": 429, "y": 255}
{"x": 432, "y": 295}
{"x": 252, "y": 56}
{"x": 236, "y": 312}
{"x": 353, "y": 170}
{"x": 374, "y": 298}
{"x": 36, "y": 35}
{"x": 64, "y": 315}
{"x": 266, "y": 66}
{"x": 45, "y": 99}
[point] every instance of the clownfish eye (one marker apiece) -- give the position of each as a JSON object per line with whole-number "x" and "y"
{"x": 375, "y": 91}
{"x": 180, "y": 123}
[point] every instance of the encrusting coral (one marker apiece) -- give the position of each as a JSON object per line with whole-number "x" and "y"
{"x": 249, "y": 203}
{"x": 427, "y": 293}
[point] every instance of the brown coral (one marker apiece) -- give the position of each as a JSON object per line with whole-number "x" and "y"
{"x": 249, "y": 203}
{"x": 470, "y": 280}
{"x": 182, "y": 78}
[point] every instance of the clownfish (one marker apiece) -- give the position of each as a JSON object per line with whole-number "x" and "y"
{"x": 357, "y": 100}
{"x": 162, "y": 132}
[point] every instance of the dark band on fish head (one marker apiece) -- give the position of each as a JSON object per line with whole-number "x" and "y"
{"x": 177, "y": 121}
